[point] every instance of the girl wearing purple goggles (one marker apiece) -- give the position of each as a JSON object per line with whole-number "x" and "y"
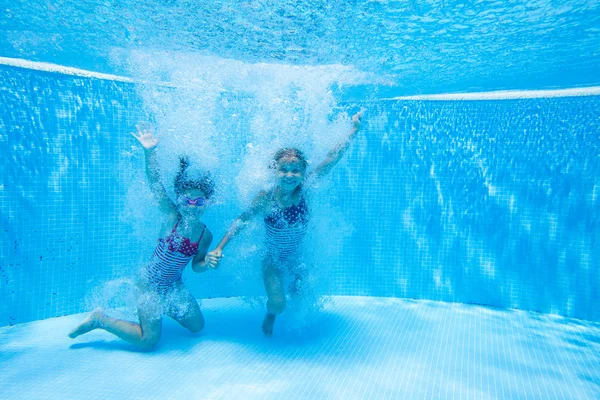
{"x": 184, "y": 239}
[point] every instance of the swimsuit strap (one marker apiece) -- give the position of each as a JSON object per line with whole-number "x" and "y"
{"x": 302, "y": 200}
{"x": 202, "y": 234}
{"x": 174, "y": 230}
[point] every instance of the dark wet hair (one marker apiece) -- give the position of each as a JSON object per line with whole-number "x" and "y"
{"x": 288, "y": 152}
{"x": 206, "y": 183}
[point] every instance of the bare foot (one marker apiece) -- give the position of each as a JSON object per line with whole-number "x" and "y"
{"x": 267, "y": 325}
{"x": 89, "y": 324}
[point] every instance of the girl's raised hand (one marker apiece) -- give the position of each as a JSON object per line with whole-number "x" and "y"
{"x": 356, "y": 118}
{"x": 144, "y": 136}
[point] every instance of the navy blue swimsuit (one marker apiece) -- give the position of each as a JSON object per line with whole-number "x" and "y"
{"x": 285, "y": 229}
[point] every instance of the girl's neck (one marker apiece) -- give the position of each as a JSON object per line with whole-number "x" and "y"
{"x": 285, "y": 196}
{"x": 187, "y": 222}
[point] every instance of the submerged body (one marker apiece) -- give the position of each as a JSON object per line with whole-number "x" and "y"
{"x": 184, "y": 239}
{"x": 285, "y": 228}
{"x": 172, "y": 254}
{"x": 285, "y": 212}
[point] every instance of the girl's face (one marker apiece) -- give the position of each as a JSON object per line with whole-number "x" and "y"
{"x": 191, "y": 202}
{"x": 290, "y": 173}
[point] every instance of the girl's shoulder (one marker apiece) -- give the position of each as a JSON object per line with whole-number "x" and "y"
{"x": 263, "y": 198}
{"x": 169, "y": 222}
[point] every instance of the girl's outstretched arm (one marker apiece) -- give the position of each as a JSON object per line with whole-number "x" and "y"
{"x": 259, "y": 204}
{"x": 149, "y": 142}
{"x": 335, "y": 155}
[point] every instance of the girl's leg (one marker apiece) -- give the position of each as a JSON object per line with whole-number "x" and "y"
{"x": 185, "y": 310}
{"x": 145, "y": 335}
{"x": 300, "y": 283}
{"x": 273, "y": 279}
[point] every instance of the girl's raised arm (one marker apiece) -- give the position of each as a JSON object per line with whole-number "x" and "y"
{"x": 335, "y": 155}
{"x": 149, "y": 142}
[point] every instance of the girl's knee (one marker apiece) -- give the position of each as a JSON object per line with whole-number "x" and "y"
{"x": 276, "y": 305}
{"x": 148, "y": 343}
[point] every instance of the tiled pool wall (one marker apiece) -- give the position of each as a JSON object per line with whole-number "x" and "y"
{"x": 489, "y": 202}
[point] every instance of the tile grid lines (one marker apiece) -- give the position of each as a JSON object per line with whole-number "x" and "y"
{"x": 373, "y": 327}
{"x": 410, "y": 379}
{"x": 482, "y": 350}
{"x": 548, "y": 353}
{"x": 267, "y": 369}
{"x": 532, "y": 359}
{"x": 571, "y": 372}
{"x": 436, "y": 343}
{"x": 583, "y": 363}
{"x": 289, "y": 369}
{"x": 217, "y": 356}
{"x": 292, "y": 369}
{"x": 506, "y": 347}
{"x": 473, "y": 333}
{"x": 249, "y": 356}
{"x": 351, "y": 327}
{"x": 596, "y": 346}
{"x": 520, "y": 354}
{"x": 379, "y": 360}
{"x": 124, "y": 112}
{"x": 485, "y": 348}
{"x": 384, "y": 362}
{"x": 394, "y": 371}
{"x": 246, "y": 361}
{"x": 390, "y": 343}
{"x": 510, "y": 346}
{"x": 500, "y": 356}
{"x": 436, "y": 322}
{"x": 469, "y": 358}
{"x": 418, "y": 383}
{"x": 444, "y": 333}
{"x": 496, "y": 353}
{"x": 218, "y": 379}
{"x": 457, "y": 363}
{"x": 351, "y": 351}
{"x": 296, "y": 368}
{"x": 507, "y": 335}
{"x": 229, "y": 382}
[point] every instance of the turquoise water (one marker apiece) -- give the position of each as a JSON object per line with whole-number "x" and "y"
{"x": 413, "y": 46}
{"x": 439, "y": 203}
{"x": 358, "y": 348}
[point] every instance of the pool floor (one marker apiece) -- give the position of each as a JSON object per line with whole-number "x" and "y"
{"x": 357, "y": 348}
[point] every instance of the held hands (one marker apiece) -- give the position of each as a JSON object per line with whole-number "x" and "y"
{"x": 144, "y": 136}
{"x": 213, "y": 258}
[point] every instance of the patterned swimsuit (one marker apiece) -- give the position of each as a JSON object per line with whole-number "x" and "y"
{"x": 285, "y": 230}
{"x": 172, "y": 255}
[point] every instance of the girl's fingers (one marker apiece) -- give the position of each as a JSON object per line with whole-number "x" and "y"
{"x": 143, "y": 128}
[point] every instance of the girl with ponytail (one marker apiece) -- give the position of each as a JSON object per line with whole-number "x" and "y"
{"x": 184, "y": 239}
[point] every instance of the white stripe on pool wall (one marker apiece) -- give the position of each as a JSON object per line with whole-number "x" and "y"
{"x": 495, "y": 95}
{"x": 48, "y": 67}
{"x": 507, "y": 94}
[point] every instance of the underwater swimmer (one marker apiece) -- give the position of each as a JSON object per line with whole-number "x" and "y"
{"x": 184, "y": 238}
{"x": 285, "y": 213}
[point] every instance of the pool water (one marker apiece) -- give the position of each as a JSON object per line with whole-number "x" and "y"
{"x": 454, "y": 248}
{"x": 358, "y": 348}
